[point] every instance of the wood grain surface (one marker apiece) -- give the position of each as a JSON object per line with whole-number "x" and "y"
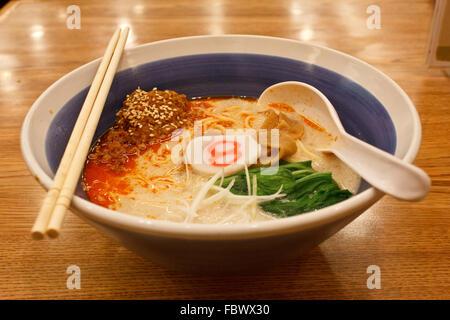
{"x": 408, "y": 241}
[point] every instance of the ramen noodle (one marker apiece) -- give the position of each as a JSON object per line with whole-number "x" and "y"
{"x": 138, "y": 166}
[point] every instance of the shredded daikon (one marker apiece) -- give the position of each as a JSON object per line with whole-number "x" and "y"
{"x": 254, "y": 203}
{"x": 247, "y": 177}
{"x": 191, "y": 214}
{"x": 224, "y": 194}
{"x": 218, "y": 196}
{"x": 238, "y": 197}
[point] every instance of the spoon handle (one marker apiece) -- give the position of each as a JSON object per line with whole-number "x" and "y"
{"x": 382, "y": 170}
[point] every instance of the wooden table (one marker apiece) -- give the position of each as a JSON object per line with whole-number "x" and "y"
{"x": 408, "y": 241}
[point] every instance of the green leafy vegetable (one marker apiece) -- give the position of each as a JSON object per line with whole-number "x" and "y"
{"x": 306, "y": 190}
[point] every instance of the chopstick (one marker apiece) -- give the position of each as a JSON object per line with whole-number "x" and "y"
{"x": 59, "y": 196}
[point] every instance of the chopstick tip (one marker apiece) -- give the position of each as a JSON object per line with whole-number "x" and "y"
{"x": 52, "y": 233}
{"x": 37, "y": 235}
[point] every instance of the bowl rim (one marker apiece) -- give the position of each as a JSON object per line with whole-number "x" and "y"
{"x": 91, "y": 211}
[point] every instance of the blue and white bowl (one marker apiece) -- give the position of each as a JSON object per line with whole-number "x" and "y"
{"x": 371, "y": 106}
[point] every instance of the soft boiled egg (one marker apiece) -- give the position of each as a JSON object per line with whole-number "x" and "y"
{"x": 231, "y": 153}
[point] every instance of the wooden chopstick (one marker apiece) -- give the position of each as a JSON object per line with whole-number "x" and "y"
{"x": 71, "y": 181}
{"x": 61, "y": 192}
{"x": 45, "y": 212}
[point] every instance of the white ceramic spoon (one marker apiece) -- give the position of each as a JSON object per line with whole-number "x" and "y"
{"x": 382, "y": 170}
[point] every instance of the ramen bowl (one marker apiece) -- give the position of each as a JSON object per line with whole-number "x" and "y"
{"x": 371, "y": 106}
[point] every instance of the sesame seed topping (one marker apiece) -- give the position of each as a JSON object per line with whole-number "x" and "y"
{"x": 146, "y": 117}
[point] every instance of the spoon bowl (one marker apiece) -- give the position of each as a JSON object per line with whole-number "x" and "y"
{"x": 382, "y": 170}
